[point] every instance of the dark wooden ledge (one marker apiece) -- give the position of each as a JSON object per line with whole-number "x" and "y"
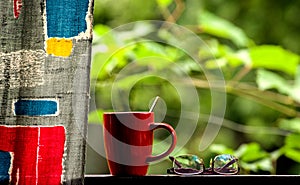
{"x": 200, "y": 179}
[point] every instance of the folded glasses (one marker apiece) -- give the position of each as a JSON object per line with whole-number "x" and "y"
{"x": 188, "y": 164}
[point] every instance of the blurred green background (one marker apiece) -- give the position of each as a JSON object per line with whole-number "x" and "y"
{"x": 251, "y": 46}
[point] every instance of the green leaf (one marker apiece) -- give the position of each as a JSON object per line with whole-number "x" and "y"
{"x": 293, "y": 154}
{"x": 250, "y": 152}
{"x": 296, "y": 88}
{"x": 128, "y": 82}
{"x": 158, "y": 51}
{"x": 292, "y": 141}
{"x": 217, "y": 26}
{"x": 264, "y": 164}
{"x": 164, "y": 3}
{"x": 137, "y": 30}
{"x": 220, "y": 149}
{"x": 292, "y": 125}
{"x": 103, "y": 36}
{"x": 101, "y": 29}
{"x": 269, "y": 80}
{"x": 95, "y": 116}
{"x": 239, "y": 57}
{"x": 215, "y": 63}
{"x": 292, "y": 147}
{"x": 275, "y": 58}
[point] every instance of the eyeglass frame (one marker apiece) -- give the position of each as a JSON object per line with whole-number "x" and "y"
{"x": 205, "y": 171}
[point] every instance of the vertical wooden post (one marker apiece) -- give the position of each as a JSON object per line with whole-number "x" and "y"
{"x": 45, "y": 53}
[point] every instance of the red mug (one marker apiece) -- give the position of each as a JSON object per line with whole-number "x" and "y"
{"x": 128, "y": 141}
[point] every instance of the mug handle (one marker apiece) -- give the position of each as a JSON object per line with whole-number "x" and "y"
{"x": 170, "y": 129}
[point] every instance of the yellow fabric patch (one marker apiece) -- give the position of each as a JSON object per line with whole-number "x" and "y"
{"x": 59, "y": 47}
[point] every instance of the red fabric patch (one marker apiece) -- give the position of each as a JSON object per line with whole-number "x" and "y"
{"x": 37, "y": 153}
{"x": 17, "y": 8}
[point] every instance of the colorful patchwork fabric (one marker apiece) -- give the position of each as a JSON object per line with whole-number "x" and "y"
{"x": 65, "y": 19}
{"x": 32, "y": 154}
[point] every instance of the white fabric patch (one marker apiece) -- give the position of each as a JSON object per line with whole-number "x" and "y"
{"x": 22, "y": 68}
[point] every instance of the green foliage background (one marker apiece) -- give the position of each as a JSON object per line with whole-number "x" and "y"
{"x": 256, "y": 44}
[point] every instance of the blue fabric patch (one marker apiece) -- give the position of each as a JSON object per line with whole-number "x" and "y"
{"x": 5, "y": 160}
{"x": 66, "y": 18}
{"x": 36, "y": 107}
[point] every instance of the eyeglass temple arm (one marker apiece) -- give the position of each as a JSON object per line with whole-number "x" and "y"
{"x": 228, "y": 164}
{"x": 175, "y": 161}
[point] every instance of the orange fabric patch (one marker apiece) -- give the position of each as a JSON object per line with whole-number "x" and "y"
{"x": 59, "y": 47}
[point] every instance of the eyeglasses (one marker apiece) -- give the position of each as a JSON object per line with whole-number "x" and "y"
{"x": 188, "y": 164}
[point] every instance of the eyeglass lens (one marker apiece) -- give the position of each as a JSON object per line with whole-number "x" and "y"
{"x": 188, "y": 165}
{"x": 225, "y": 164}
